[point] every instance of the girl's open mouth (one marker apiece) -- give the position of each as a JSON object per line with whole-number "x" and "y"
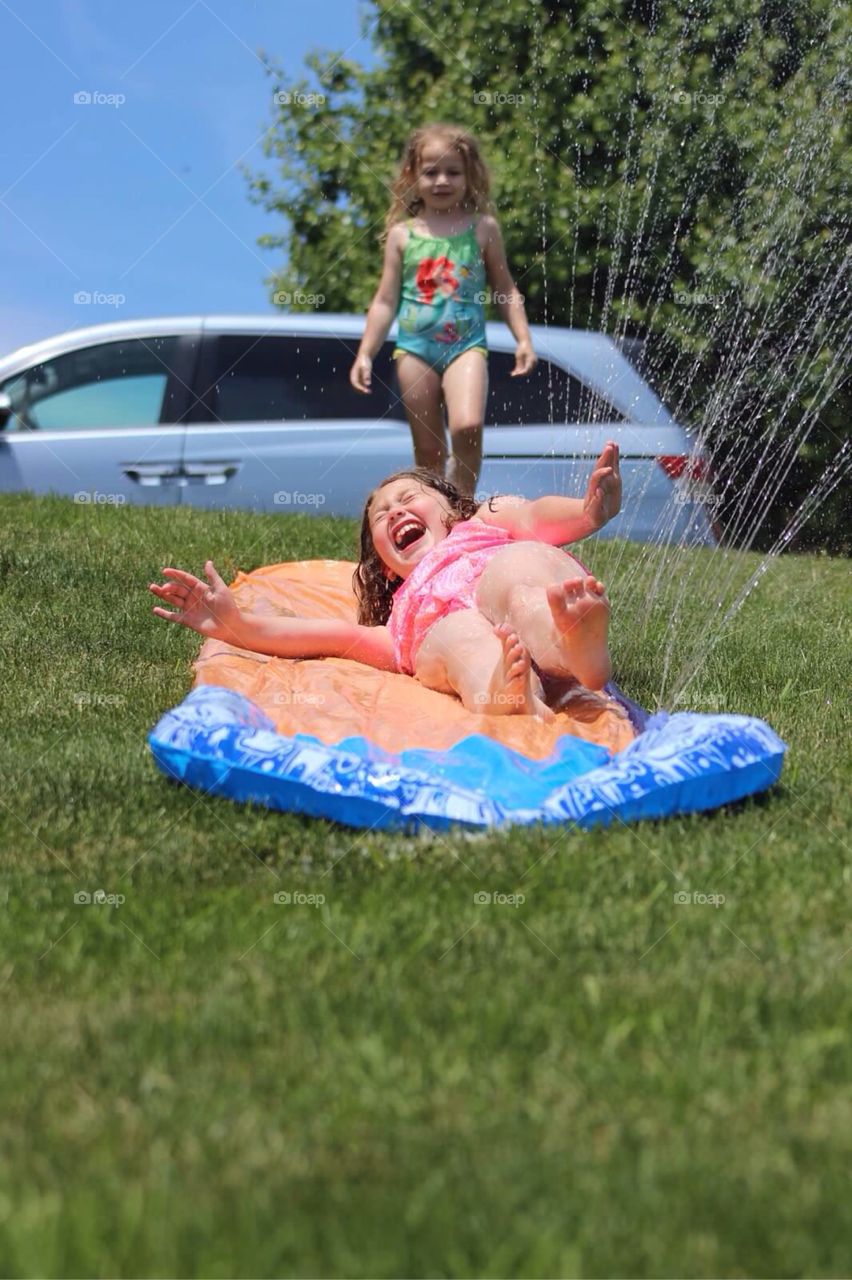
{"x": 407, "y": 532}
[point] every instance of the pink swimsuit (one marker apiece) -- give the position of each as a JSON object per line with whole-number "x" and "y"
{"x": 443, "y": 582}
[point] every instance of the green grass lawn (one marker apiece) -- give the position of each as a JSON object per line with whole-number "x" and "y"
{"x": 399, "y": 1082}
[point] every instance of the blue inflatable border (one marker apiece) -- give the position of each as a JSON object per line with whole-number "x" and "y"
{"x": 218, "y": 741}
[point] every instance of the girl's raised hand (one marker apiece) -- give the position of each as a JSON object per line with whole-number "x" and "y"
{"x": 525, "y": 359}
{"x": 361, "y": 374}
{"x": 206, "y": 607}
{"x": 603, "y": 495}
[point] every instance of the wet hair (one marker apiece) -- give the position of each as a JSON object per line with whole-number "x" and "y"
{"x": 406, "y": 203}
{"x": 374, "y": 590}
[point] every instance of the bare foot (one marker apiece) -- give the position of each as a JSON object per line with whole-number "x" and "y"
{"x": 581, "y": 614}
{"x": 511, "y": 690}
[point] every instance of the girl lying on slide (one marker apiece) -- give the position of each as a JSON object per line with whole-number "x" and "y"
{"x": 470, "y": 599}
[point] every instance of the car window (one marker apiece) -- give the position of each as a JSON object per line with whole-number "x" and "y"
{"x": 116, "y": 384}
{"x": 290, "y": 379}
{"x": 548, "y": 394}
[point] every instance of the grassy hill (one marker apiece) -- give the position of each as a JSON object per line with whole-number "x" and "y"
{"x": 197, "y": 1082}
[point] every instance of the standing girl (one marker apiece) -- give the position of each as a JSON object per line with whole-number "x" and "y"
{"x": 442, "y": 243}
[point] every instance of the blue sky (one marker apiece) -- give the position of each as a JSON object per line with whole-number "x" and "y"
{"x": 102, "y": 198}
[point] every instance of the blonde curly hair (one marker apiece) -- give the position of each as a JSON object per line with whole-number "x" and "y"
{"x": 405, "y": 203}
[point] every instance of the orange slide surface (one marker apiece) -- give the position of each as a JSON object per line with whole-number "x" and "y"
{"x": 335, "y": 698}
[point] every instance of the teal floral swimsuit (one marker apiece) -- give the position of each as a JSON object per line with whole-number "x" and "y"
{"x": 441, "y": 307}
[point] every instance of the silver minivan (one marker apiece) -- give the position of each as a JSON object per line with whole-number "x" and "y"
{"x": 257, "y": 412}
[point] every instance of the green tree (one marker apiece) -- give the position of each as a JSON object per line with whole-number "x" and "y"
{"x": 674, "y": 173}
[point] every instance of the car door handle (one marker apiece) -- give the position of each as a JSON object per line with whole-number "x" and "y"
{"x": 153, "y": 473}
{"x": 210, "y": 472}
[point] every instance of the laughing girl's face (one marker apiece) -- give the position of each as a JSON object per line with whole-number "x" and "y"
{"x": 407, "y": 519}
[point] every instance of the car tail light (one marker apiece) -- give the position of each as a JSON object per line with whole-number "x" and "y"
{"x": 679, "y": 466}
{"x": 692, "y": 476}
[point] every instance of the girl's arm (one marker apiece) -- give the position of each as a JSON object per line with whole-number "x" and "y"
{"x": 213, "y": 612}
{"x": 559, "y": 520}
{"x": 382, "y": 310}
{"x": 507, "y": 297}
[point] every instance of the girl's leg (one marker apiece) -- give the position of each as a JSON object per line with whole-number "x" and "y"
{"x": 486, "y": 666}
{"x": 420, "y": 386}
{"x": 560, "y": 613}
{"x": 465, "y": 386}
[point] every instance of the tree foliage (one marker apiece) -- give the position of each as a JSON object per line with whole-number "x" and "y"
{"x": 677, "y": 173}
